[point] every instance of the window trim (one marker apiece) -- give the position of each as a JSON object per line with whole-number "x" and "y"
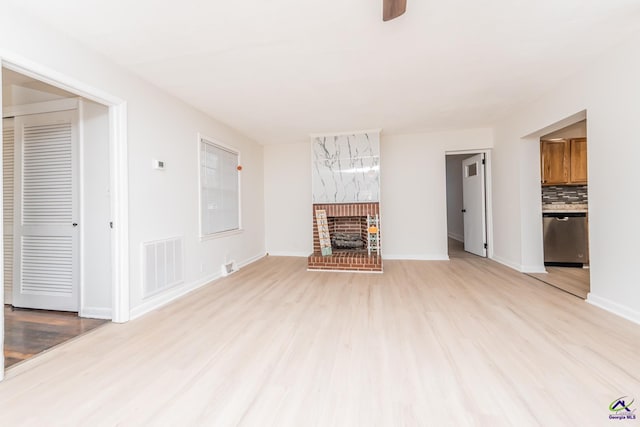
{"x": 203, "y": 139}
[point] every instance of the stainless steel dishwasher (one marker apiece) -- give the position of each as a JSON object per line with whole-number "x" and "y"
{"x": 565, "y": 238}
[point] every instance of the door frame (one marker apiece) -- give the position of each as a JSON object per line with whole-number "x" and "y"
{"x": 487, "y": 192}
{"x": 118, "y": 163}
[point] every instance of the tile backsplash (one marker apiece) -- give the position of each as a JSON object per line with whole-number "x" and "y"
{"x": 564, "y": 194}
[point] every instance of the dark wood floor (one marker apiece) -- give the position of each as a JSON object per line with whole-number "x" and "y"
{"x": 29, "y": 332}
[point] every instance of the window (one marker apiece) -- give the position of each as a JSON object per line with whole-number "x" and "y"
{"x": 219, "y": 188}
{"x": 472, "y": 169}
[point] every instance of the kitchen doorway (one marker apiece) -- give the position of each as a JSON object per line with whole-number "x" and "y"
{"x": 565, "y": 209}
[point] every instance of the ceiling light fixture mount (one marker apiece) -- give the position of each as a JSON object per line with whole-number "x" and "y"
{"x": 391, "y": 9}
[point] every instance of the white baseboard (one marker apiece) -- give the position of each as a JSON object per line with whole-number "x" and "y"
{"x": 176, "y": 292}
{"x": 285, "y": 253}
{"x": 614, "y": 307}
{"x": 455, "y": 236}
{"x": 507, "y": 263}
{"x": 166, "y": 297}
{"x": 416, "y": 257}
{"x": 251, "y": 260}
{"x": 533, "y": 269}
{"x": 519, "y": 267}
{"x": 95, "y": 313}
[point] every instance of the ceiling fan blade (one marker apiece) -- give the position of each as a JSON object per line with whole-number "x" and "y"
{"x": 393, "y": 8}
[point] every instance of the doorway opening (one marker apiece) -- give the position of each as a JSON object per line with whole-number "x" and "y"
{"x": 467, "y": 207}
{"x": 56, "y": 211}
{"x": 64, "y": 153}
{"x": 565, "y": 207}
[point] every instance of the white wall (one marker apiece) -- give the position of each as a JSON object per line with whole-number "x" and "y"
{"x": 18, "y": 95}
{"x": 161, "y": 204}
{"x": 412, "y": 195}
{"x": 288, "y": 200}
{"x": 2, "y": 302}
{"x": 609, "y": 91}
{"x": 96, "y": 298}
{"x": 576, "y": 130}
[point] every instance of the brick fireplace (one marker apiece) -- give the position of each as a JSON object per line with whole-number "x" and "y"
{"x": 347, "y": 219}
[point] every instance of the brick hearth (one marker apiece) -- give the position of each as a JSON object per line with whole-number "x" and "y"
{"x": 347, "y": 218}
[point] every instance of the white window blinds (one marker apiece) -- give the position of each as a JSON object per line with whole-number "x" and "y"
{"x": 219, "y": 192}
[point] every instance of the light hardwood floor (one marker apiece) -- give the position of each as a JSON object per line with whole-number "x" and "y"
{"x": 576, "y": 281}
{"x": 460, "y": 342}
{"x": 456, "y": 250}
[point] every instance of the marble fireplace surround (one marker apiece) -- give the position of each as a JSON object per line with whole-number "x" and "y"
{"x": 346, "y": 168}
{"x": 344, "y": 259}
{"x": 346, "y": 184}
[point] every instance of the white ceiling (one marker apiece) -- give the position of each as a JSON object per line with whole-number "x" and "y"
{"x": 278, "y": 70}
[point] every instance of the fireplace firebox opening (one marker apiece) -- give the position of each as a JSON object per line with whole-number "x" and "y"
{"x": 354, "y": 235}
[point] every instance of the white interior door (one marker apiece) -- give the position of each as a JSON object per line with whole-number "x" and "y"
{"x": 474, "y": 212}
{"x": 46, "y": 208}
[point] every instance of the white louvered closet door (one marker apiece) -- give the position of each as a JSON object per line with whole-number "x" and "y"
{"x": 46, "y": 230}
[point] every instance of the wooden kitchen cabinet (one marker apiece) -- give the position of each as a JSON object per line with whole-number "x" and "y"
{"x": 554, "y": 156}
{"x": 564, "y": 162}
{"x": 578, "y": 168}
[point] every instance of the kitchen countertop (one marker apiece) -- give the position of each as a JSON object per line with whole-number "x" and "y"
{"x": 565, "y": 207}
